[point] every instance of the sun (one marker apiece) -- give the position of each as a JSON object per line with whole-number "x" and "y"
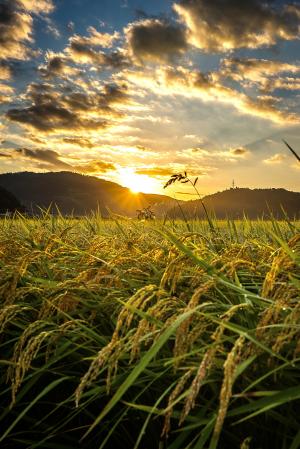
{"x": 137, "y": 183}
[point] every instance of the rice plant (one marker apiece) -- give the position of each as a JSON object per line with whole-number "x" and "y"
{"x": 143, "y": 334}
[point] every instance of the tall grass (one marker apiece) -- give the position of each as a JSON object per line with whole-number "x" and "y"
{"x": 128, "y": 334}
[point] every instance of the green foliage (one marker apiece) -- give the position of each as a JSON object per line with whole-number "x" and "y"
{"x": 126, "y": 333}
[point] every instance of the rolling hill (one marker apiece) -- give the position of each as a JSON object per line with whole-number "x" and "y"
{"x": 76, "y": 194}
{"x": 234, "y": 203}
{"x": 9, "y": 203}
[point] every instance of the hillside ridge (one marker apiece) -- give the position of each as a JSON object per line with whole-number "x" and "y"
{"x": 78, "y": 194}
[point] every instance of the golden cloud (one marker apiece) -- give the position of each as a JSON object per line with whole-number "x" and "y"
{"x": 239, "y": 152}
{"x": 219, "y": 25}
{"x": 276, "y": 159}
{"x": 96, "y": 38}
{"x": 53, "y": 110}
{"x": 155, "y": 171}
{"x": 15, "y": 31}
{"x": 83, "y": 50}
{"x": 16, "y": 26}
{"x": 37, "y": 6}
{"x": 5, "y": 71}
{"x": 6, "y": 93}
{"x": 195, "y": 84}
{"x": 264, "y": 73}
{"x": 52, "y": 160}
{"x": 79, "y": 142}
{"x": 57, "y": 64}
{"x": 94, "y": 167}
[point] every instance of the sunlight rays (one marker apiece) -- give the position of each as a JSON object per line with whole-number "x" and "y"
{"x": 137, "y": 183}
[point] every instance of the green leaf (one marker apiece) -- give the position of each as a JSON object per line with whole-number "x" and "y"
{"x": 266, "y": 403}
{"x": 296, "y": 441}
{"x": 146, "y": 359}
{"x": 43, "y": 393}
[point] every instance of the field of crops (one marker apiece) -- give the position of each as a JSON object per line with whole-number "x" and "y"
{"x": 153, "y": 335}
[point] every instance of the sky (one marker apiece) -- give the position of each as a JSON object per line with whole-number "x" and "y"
{"x": 134, "y": 91}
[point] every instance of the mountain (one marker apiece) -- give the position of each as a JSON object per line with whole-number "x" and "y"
{"x": 235, "y": 202}
{"x": 8, "y": 202}
{"x": 76, "y": 194}
{"x": 79, "y": 194}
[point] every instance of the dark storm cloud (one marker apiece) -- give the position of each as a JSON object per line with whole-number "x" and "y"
{"x": 155, "y": 40}
{"x": 53, "y": 110}
{"x": 222, "y": 25}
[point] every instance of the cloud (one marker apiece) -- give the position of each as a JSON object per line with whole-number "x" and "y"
{"x": 276, "y": 159}
{"x": 52, "y": 110}
{"x": 6, "y": 93}
{"x": 71, "y": 27}
{"x": 261, "y": 72}
{"x": 16, "y": 26}
{"x": 79, "y": 142}
{"x": 5, "y": 156}
{"x": 15, "y": 32}
{"x": 155, "y": 171}
{"x": 49, "y": 157}
{"x": 51, "y": 117}
{"x": 239, "y": 152}
{"x": 84, "y": 54}
{"x": 37, "y": 6}
{"x": 84, "y": 50}
{"x": 207, "y": 87}
{"x": 155, "y": 40}
{"x": 57, "y": 64}
{"x": 287, "y": 83}
{"x": 222, "y": 25}
{"x": 96, "y": 38}
{"x": 94, "y": 167}
{"x": 255, "y": 69}
{"x": 5, "y": 71}
{"x": 52, "y": 28}
{"x": 51, "y": 160}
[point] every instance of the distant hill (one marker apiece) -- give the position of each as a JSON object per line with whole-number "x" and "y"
{"x": 8, "y": 202}
{"x": 76, "y": 194}
{"x": 255, "y": 203}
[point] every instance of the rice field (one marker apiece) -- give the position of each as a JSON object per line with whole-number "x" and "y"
{"x": 154, "y": 335}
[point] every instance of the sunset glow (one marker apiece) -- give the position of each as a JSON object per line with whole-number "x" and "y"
{"x": 133, "y": 91}
{"x": 137, "y": 183}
